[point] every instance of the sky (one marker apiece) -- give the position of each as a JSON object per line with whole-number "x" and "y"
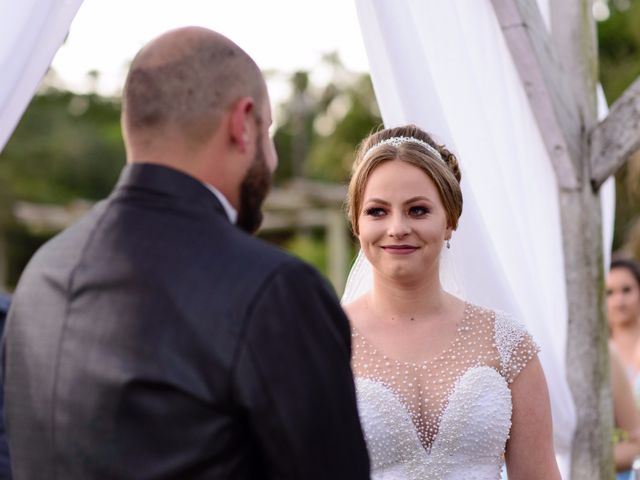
{"x": 281, "y": 35}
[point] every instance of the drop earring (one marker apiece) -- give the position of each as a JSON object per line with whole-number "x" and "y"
{"x": 448, "y": 243}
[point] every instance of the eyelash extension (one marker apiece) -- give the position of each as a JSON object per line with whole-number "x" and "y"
{"x": 424, "y": 210}
{"x": 373, "y": 210}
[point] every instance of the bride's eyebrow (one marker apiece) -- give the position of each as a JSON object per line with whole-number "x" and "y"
{"x": 376, "y": 200}
{"x": 418, "y": 199}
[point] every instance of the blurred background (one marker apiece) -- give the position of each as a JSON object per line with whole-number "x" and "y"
{"x": 67, "y": 151}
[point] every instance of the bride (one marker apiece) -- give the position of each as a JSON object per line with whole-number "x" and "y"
{"x": 446, "y": 389}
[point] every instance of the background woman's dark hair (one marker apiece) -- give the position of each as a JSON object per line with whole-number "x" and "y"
{"x": 631, "y": 265}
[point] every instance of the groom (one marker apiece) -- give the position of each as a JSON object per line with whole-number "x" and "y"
{"x": 156, "y": 339}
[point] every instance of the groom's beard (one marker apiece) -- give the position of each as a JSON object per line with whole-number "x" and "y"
{"x": 253, "y": 190}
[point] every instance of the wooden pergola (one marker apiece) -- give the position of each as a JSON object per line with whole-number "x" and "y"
{"x": 559, "y": 71}
{"x": 299, "y": 206}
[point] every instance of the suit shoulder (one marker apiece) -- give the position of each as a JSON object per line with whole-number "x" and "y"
{"x": 262, "y": 255}
{"x": 261, "y": 267}
{"x": 69, "y": 243}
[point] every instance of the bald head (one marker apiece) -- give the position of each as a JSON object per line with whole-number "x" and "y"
{"x": 182, "y": 82}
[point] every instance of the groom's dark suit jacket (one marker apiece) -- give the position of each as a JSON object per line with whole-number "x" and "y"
{"x": 155, "y": 340}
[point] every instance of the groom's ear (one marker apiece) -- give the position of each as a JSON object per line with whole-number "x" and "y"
{"x": 241, "y": 123}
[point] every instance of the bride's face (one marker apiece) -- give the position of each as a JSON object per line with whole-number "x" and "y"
{"x": 402, "y": 224}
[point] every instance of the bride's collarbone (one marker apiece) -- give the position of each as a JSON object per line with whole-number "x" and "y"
{"x": 412, "y": 341}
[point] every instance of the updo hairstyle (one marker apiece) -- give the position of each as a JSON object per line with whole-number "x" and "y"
{"x": 444, "y": 172}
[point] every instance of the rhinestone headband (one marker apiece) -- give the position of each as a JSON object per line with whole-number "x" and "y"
{"x": 395, "y": 141}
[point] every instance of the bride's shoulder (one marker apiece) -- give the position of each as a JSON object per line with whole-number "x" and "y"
{"x": 503, "y": 324}
{"x": 494, "y": 316}
{"x": 512, "y": 341}
{"x": 355, "y": 309}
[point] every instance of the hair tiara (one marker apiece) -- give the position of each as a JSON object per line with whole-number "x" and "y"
{"x": 396, "y": 141}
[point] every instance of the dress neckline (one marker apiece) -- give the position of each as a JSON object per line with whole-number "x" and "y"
{"x": 447, "y": 350}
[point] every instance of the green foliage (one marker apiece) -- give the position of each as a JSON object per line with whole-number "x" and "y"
{"x": 320, "y": 127}
{"x": 295, "y": 133}
{"x": 619, "y": 435}
{"x": 21, "y": 245}
{"x": 66, "y": 146}
{"x": 319, "y": 130}
{"x": 311, "y": 248}
{"x": 69, "y": 146}
{"x": 619, "y": 49}
{"x": 331, "y": 156}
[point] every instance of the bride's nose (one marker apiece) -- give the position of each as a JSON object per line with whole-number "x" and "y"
{"x": 399, "y": 227}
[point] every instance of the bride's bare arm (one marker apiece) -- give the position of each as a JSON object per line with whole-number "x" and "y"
{"x": 530, "y": 454}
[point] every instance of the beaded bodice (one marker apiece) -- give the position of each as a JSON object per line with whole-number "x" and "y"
{"x": 430, "y": 420}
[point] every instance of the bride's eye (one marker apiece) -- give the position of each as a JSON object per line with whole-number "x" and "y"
{"x": 418, "y": 211}
{"x": 374, "y": 211}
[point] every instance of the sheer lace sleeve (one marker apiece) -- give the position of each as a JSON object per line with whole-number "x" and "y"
{"x": 515, "y": 345}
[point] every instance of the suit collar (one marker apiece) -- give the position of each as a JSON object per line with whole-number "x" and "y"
{"x": 168, "y": 181}
{"x": 232, "y": 213}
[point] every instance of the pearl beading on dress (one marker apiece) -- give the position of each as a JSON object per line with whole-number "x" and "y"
{"x": 426, "y": 420}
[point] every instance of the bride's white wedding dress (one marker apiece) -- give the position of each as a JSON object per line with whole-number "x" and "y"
{"x": 449, "y": 417}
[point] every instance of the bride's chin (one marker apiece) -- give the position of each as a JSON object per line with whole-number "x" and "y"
{"x": 404, "y": 275}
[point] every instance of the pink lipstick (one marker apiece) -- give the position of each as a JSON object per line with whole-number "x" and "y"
{"x": 399, "y": 249}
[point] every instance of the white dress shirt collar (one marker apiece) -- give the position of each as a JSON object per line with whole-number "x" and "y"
{"x": 231, "y": 212}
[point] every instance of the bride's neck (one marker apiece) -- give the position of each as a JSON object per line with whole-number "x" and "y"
{"x": 423, "y": 296}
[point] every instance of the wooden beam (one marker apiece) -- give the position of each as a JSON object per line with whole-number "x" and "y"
{"x": 295, "y": 220}
{"x": 617, "y": 137}
{"x": 559, "y": 73}
{"x": 549, "y": 94}
{"x": 4, "y": 259}
{"x": 575, "y": 47}
{"x": 573, "y": 39}
{"x": 338, "y": 249}
{"x": 587, "y": 357}
{"x": 338, "y": 240}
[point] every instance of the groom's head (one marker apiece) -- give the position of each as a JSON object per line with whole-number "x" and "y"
{"x": 196, "y": 102}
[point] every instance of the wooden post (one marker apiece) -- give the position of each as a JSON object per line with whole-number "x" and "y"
{"x": 587, "y": 353}
{"x": 3, "y": 260}
{"x": 559, "y": 72}
{"x": 574, "y": 40}
{"x": 337, "y": 249}
{"x": 547, "y": 89}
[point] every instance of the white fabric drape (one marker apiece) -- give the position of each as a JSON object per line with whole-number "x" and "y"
{"x": 32, "y": 31}
{"x": 445, "y": 66}
{"x": 607, "y": 195}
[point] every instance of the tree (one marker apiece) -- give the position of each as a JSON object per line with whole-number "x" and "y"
{"x": 619, "y": 50}
{"x": 66, "y": 147}
{"x": 320, "y": 126}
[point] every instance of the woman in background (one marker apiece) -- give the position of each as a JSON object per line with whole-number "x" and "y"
{"x": 626, "y": 418}
{"x": 623, "y": 309}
